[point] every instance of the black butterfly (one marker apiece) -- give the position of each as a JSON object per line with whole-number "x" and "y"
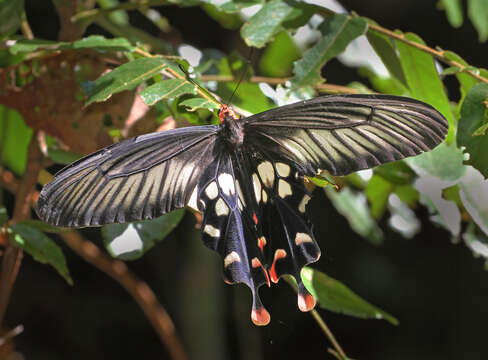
{"x": 245, "y": 176}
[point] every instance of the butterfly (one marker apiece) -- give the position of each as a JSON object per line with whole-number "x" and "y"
{"x": 246, "y": 177}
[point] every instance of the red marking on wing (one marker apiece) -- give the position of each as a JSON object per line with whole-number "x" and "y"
{"x": 260, "y": 316}
{"x": 306, "y": 302}
{"x": 256, "y": 263}
{"x": 262, "y": 243}
{"x": 279, "y": 254}
{"x": 255, "y": 218}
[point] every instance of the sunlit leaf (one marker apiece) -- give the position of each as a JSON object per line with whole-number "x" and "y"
{"x": 333, "y": 295}
{"x": 478, "y": 13}
{"x": 423, "y": 79}
{"x": 354, "y": 207}
{"x": 124, "y": 77}
{"x": 474, "y": 196}
{"x": 377, "y": 192}
{"x": 199, "y": 103}
{"x": 454, "y": 11}
{"x": 473, "y": 117}
{"x": 167, "y": 89}
{"x": 278, "y": 57}
{"x": 131, "y": 241}
{"x": 466, "y": 81}
{"x": 15, "y": 137}
{"x": 337, "y": 32}
{"x": 41, "y": 248}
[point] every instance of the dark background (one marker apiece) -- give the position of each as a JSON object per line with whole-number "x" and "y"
{"x": 435, "y": 287}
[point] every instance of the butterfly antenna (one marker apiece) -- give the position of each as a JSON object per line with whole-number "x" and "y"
{"x": 243, "y": 73}
{"x": 201, "y": 88}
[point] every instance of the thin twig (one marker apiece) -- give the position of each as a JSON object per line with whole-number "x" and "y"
{"x": 323, "y": 326}
{"x": 23, "y": 200}
{"x": 329, "y": 88}
{"x": 26, "y": 30}
{"x": 139, "y": 290}
{"x": 438, "y": 54}
{"x": 94, "y": 14}
{"x": 177, "y": 75}
{"x": 327, "y": 332}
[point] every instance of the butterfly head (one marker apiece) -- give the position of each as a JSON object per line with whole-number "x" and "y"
{"x": 227, "y": 114}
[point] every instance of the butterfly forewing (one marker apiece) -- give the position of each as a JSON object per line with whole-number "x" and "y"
{"x": 136, "y": 179}
{"x": 343, "y": 134}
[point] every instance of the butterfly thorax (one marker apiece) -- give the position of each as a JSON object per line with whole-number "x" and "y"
{"x": 231, "y": 127}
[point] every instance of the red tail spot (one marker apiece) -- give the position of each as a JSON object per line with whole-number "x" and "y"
{"x": 255, "y": 218}
{"x": 262, "y": 243}
{"x": 306, "y": 302}
{"x": 279, "y": 254}
{"x": 255, "y": 263}
{"x": 260, "y": 316}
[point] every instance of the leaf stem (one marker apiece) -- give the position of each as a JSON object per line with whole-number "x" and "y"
{"x": 323, "y": 326}
{"x": 328, "y": 333}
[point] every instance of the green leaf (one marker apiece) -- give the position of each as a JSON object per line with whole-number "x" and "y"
{"x": 167, "y": 89}
{"x": 445, "y": 162}
{"x": 407, "y": 194}
{"x": 199, "y": 103}
{"x": 226, "y": 20}
{"x": 124, "y": 77}
{"x": 354, "y": 207}
{"x": 476, "y": 241}
{"x": 232, "y": 6}
{"x": 473, "y": 116}
{"x": 42, "y": 226}
{"x": 266, "y": 23}
{"x": 481, "y": 131}
{"x": 338, "y": 31}
{"x": 384, "y": 48}
{"x": 62, "y": 157}
{"x": 423, "y": 80}
{"x": 15, "y": 137}
{"x": 11, "y": 16}
{"x": 474, "y": 196}
{"x": 465, "y": 80}
{"x": 450, "y": 70}
{"x": 41, "y": 248}
{"x": 377, "y": 192}
{"x": 478, "y": 13}
{"x": 278, "y": 57}
{"x": 337, "y": 297}
{"x": 454, "y": 11}
{"x": 398, "y": 172}
{"x": 131, "y": 241}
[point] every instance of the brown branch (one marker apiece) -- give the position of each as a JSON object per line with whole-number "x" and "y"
{"x": 328, "y": 88}
{"x": 24, "y": 196}
{"x": 438, "y": 54}
{"x": 139, "y": 290}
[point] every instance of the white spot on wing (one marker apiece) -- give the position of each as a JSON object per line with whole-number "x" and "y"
{"x": 257, "y": 187}
{"x": 266, "y": 172}
{"x": 239, "y": 192}
{"x": 301, "y": 238}
{"x": 210, "y": 230}
{"x": 303, "y": 203}
{"x": 231, "y": 258}
{"x": 284, "y": 189}
{"x": 212, "y": 191}
{"x": 283, "y": 169}
{"x": 221, "y": 208}
{"x": 226, "y": 182}
{"x": 192, "y": 203}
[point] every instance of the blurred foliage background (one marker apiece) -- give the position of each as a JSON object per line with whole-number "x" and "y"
{"x": 408, "y": 237}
